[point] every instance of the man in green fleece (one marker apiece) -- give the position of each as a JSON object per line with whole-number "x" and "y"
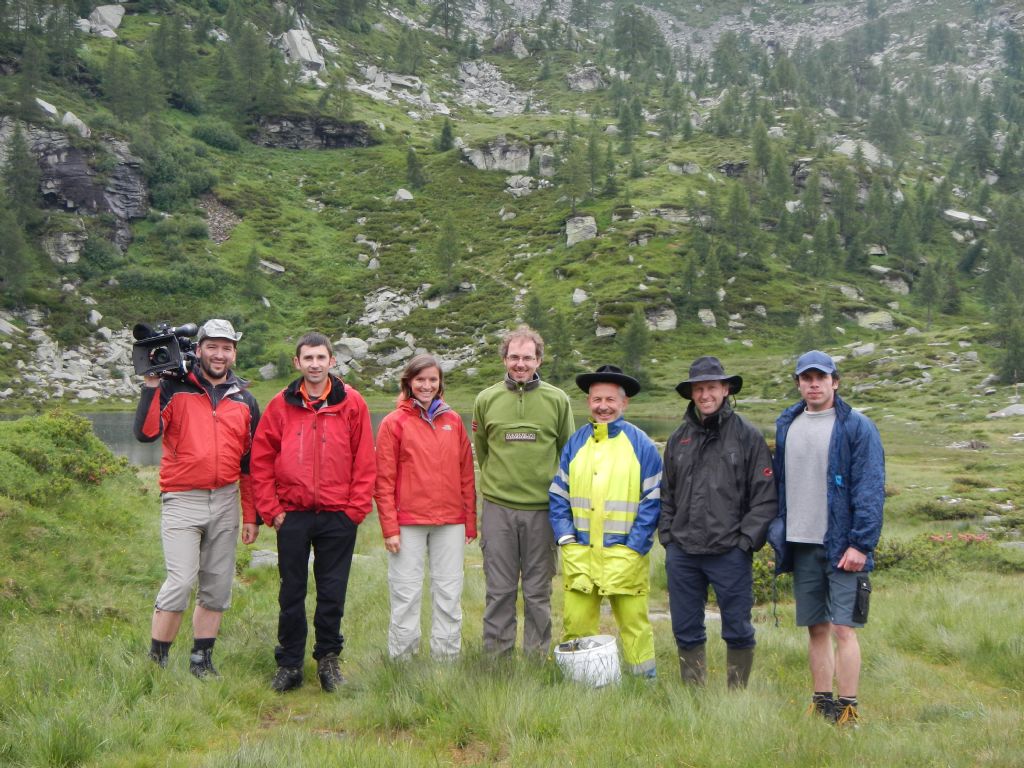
{"x": 519, "y": 427}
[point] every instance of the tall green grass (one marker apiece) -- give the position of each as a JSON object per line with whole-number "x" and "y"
{"x": 942, "y": 682}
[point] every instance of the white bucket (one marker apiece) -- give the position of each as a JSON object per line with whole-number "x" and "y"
{"x": 592, "y": 660}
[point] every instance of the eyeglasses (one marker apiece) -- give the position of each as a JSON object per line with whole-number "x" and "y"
{"x": 521, "y": 359}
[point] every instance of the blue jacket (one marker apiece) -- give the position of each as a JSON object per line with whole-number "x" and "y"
{"x": 856, "y": 487}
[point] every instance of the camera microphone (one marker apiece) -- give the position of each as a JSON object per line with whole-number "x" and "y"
{"x": 143, "y": 331}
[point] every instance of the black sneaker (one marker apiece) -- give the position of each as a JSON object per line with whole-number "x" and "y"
{"x": 846, "y": 715}
{"x": 200, "y": 664}
{"x": 286, "y": 679}
{"x": 329, "y": 672}
{"x": 159, "y": 659}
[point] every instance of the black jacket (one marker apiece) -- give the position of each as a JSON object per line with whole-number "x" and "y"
{"x": 717, "y": 488}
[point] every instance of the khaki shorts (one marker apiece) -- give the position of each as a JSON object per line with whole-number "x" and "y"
{"x": 200, "y": 533}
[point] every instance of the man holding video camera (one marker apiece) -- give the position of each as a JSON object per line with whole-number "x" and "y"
{"x": 207, "y": 419}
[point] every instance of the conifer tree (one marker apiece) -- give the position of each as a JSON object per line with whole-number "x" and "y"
{"x": 414, "y": 175}
{"x": 14, "y": 256}
{"x": 21, "y": 182}
{"x": 635, "y": 344}
{"x": 533, "y": 314}
{"x": 558, "y": 341}
{"x": 447, "y": 252}
{"x": 446, "y": 140}
{"x": 927, "y": 291}
{"x": 30, "y": 77}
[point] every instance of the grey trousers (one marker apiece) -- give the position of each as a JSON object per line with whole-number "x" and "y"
{"x": 517, "y": 544}
{"x": 444, "y": 544}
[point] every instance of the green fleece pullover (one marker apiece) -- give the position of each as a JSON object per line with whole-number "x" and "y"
{"x": 518, "y": 433}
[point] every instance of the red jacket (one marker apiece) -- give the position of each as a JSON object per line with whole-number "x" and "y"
{"x": 207, "y": 433}
{"x": 424, "y": 470}
{"x": 317, "y": 460}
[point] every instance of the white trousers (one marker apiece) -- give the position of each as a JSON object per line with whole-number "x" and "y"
{"x": 445, "y": 545}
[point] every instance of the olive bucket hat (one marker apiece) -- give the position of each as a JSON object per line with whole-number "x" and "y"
{"x": 708, "y": 369}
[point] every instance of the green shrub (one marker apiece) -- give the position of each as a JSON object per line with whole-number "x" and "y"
{"x": 929, "y": 555}
{"x": 44, "y": 457}
{"x": 217, "y": 133}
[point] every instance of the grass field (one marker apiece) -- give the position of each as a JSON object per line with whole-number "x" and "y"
{"x": 942, "y": 683}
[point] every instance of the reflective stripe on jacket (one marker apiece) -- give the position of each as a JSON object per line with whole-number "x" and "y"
{"x": 607, "y": 494}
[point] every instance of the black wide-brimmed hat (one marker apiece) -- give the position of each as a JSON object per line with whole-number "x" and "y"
{"x": 708, "y": 369}
{"x": 611, "y": 374}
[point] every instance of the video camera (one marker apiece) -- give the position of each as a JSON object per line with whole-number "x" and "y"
{"x": 164, "y": 350}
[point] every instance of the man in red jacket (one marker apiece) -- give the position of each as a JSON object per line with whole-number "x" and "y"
{"x": 313, "y": 470}
{"x": 206, "y": 420}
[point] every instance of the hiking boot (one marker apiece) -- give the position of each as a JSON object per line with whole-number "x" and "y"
{"x": 693, "y": 666}
{"x": 825, "y": 707}
{"x": 286, "y": 679}
{"x": 846, "y": 715}
{"x": 737, "y": 666}
{"x": 329, "y": 672}
{"x": 200, "y": 664}
{"x": 160, "y": 659}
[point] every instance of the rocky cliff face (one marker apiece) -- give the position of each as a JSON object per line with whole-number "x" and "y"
{"x": 70, "y": 181}
{"x": 303, "y": 132}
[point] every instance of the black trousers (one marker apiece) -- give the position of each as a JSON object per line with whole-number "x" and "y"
{"x": 332, "y": 537}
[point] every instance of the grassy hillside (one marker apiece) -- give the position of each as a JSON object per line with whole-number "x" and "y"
{"x": 789, "y": 277}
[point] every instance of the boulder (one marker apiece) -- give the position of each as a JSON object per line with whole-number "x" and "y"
{"x": 880, "y": 320}
{"x": 707, "y": 317}
{"x": 72, "y": 121}
{"x": 585, "y": 79}
{"x": 299, "y": 48}
{"x": 579, "y": 296}
{"x": 545, "y": 160}
{"x": 863, "y": 350}
{"x": 106, "y": 17}
{"x": 351, "y": 348}
{"x": 961, "y": 219}
{"x": 871, "y": 153}
{"x": 499, "y": 154}
{"x": 519, "y": 185}
{"x": 47, "y": 108}
{"x": 1017, "y": 409}
{"x": 66, "y": 247}
{"x": 268, "y": 371}
{"x": 580, "y": 228}
{"x": 402, "y": 196}
{"x": 662, "y": 319}
{"x": 510, "y": 41}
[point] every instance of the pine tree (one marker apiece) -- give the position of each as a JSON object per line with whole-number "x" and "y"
{"x": 30, "y": 77}
{"x": 634, "y": 345}
{"x": 14, "y": 256}
{"x": 414, "y": 175}
{"x": 558, "y": 338}
{"x": 611, "y": 186}
{"x": 252, "y": 278}
{"x": 21, "y": 183}
{"x": 447, "y": 252}
{"x": 572, "y": 172}
{"x": 533, "y": 314}
{"x": 927, "y": 291}
{"x": 762, "y": 147}
{"x": 447, "y": 139}
{"x": 334, "y": 100}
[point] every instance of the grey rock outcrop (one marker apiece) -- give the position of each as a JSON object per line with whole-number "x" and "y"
{"x": 299, "y": 48}
{"x": 72, "y": 121}
{"x": 106, "y": 17}
{"x": 880, "y": 320}
{"x": 580, "y": 228}
{"x": 585, "y": 79}
{"x": 302, "y": 132}
{"x": 510, "y": 41}
{"x": 662, "y": 319}
{"x": 69, "y": 180}
{"x": 66, "y": 247}
{"x": 499, "y": 154}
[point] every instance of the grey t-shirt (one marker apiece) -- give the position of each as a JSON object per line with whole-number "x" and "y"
{"x": 806, "y": 476}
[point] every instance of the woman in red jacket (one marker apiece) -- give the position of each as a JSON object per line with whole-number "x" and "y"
{"x": 426, "y": 501}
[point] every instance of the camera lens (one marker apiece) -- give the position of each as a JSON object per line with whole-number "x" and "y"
{"x": 159, "y": 356}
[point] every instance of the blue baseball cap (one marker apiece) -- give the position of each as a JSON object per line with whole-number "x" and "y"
{"x": 815, "y": 360}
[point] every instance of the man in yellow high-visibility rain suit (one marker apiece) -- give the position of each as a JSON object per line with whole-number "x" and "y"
{"x": 604, "y": 506}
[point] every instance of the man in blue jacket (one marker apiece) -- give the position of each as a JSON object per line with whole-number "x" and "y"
{"x": 830, "y": 471}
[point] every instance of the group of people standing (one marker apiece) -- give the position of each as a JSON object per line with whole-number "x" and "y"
{"x": 598, "y": 495}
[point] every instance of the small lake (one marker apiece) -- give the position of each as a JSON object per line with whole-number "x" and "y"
{"x": 115, "y": 430}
